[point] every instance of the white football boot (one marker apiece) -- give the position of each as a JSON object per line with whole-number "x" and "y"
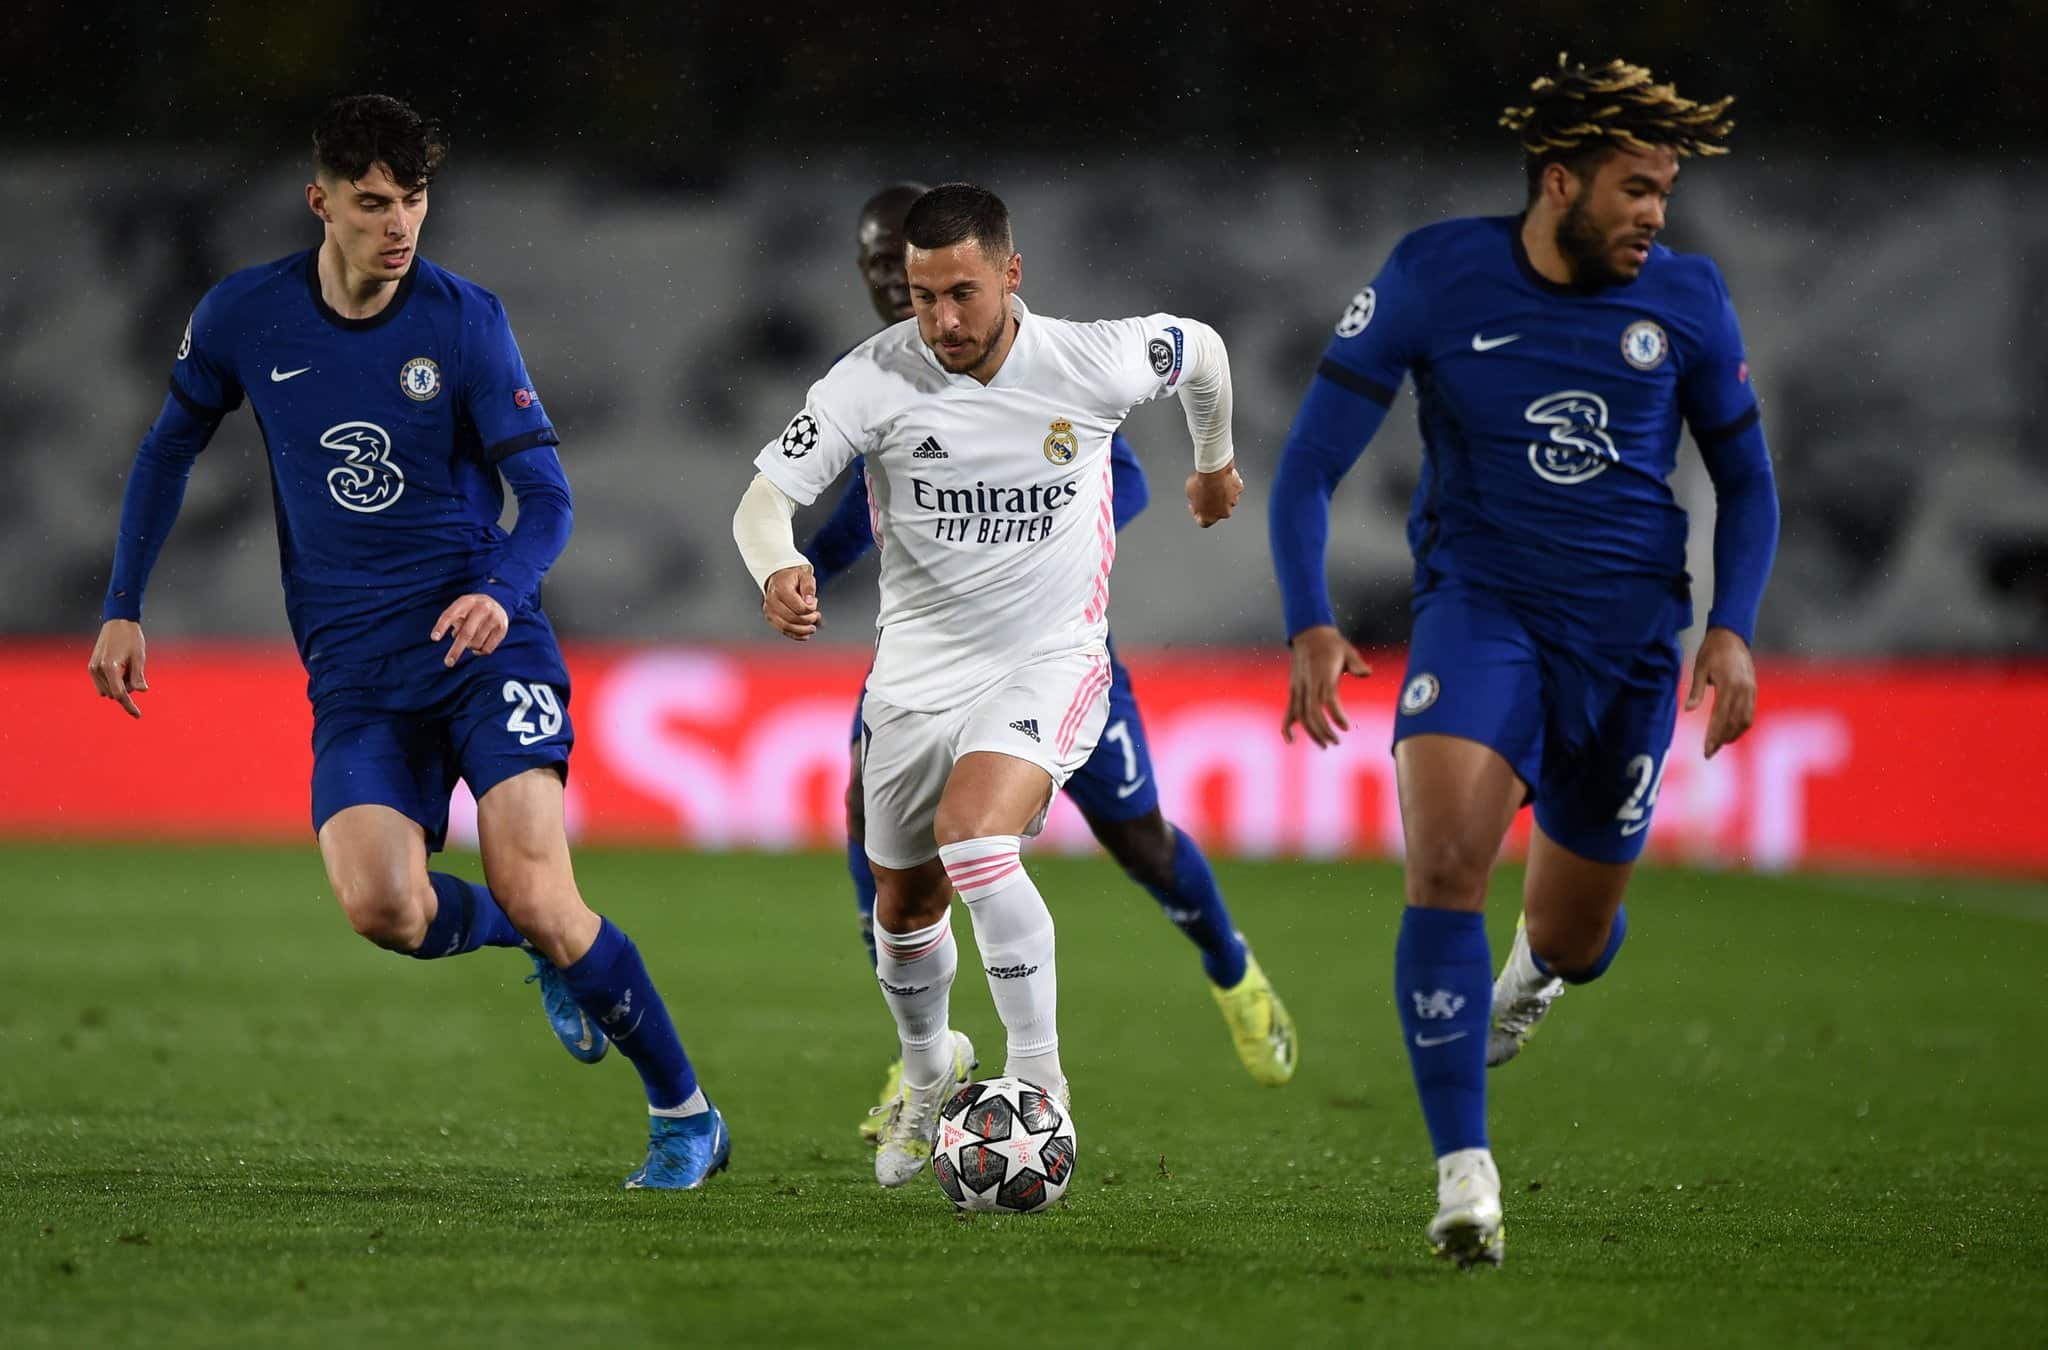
{"x": 1521, "y": 996}
{"x": 1467, "y": 1227}
{"x": 911, "y": 1122}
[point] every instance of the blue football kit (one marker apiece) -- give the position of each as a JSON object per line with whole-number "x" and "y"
{"x": 1550, "y": 582}
{"x": 386, "y": 437}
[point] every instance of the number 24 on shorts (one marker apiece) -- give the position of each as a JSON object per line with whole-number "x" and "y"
{"x": 531, "y": 699}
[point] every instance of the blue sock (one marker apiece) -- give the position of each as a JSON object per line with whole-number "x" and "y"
{"x": 863, "y": 892}
{"x": 611, "y": 985}
{"x": 1196, "y": 907}
{"x": 1443, "y": 982}
{"x": 1602, "y": 962}
{"x": 465, "y": 918}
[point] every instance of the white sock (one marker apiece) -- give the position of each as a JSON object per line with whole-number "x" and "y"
{"x": 1521, "y": 975}
{"x": 915, "y": 970}
{"x": 692, "y": 1105}
{"x": 1014, "y": 930}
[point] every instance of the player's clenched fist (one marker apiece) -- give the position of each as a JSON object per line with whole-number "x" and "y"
{"x": 1213, "y": 496}
{"x": 790, "y": 603}
{"x": 1321, "y": 658}
{"x": 116, "y": 664}
{"x": 478, "y": 624}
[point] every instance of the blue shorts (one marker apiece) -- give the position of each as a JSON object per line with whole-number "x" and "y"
{"x": 1585, "y": 729}
{"x": 399, "y": 731}
{"x": 1116, "y": 783}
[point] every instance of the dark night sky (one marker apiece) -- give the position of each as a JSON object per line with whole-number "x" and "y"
{"x": 650, "y": 87}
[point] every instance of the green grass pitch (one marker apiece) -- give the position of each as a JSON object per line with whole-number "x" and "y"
{"x": 1800, "y": 1111}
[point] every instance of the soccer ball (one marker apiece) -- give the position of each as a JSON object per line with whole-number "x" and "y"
{"x": 1005, "y": 1146}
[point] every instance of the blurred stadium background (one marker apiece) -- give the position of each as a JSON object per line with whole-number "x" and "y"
{"x": 667, "y": 209}
{"x": 1790, "y": 1117}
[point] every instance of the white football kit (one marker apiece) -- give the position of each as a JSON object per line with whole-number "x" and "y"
{"x": 991, "y": 507}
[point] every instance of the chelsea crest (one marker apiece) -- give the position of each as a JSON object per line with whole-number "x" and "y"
{"x": 1644, "y": 345}
{"x": 420, "y": 378}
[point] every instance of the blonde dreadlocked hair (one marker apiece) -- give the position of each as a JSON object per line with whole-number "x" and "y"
{"x": 1579, "y": 110}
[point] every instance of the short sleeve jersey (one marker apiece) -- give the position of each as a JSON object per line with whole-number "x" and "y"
{"x": 992, "y": 504}
{"x": 1550, "y": 420}
{"x": 383, "y": 437}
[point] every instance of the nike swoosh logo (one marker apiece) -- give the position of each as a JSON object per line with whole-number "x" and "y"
{"x": 1427, "y": 1041}
{"x": 280, "y": 376}
{"x": 1128, "y": 788}
{"x": 1487, "y": 344}
{"x": 1636, "y": 828}
{"x": 586, "y": 1042}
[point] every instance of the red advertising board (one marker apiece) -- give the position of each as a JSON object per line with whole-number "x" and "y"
{"x": 1849, "y": 764}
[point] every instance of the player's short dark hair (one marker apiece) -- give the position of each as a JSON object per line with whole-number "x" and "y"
{"x": 1578, "y": 113}
{"x": 954, "y": 212}
{"x": 359, "y": 130}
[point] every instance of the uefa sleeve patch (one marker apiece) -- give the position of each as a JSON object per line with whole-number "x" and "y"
{"x": 1166, "y": 353}
{"x": 1357, "y": 314}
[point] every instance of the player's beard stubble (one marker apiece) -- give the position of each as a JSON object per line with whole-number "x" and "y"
{"x": 971, "y": 360}
{"x": 1584, "y": 248}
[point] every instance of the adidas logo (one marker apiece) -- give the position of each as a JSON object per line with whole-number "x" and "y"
{"x": 1028, "y": 725}
{"x": 929, "y": 448}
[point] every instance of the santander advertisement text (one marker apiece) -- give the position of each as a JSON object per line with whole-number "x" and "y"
{"x": 1917, "y": 765}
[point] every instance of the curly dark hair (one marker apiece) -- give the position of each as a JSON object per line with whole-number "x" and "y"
{"x": 359, "y": 130}
{"x": 1579, "y": 112}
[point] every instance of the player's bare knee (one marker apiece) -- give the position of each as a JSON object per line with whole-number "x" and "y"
{"x": 1448, "y": 874}
{"x": 1570, "y": 948}
{"x": 545, "y": 907}
{"x": 387, "y": 908}
{"x": 959, "y": 821}
{"x": 906, "y": 902}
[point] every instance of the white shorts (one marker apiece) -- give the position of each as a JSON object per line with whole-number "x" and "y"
{"x": 1050, "y": 713}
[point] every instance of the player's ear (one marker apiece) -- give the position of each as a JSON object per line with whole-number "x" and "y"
{"x": 316, "y": 201}
{"x": 1013, "y": 273}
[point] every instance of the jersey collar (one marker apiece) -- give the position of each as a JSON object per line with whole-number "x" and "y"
{"x": 377, "y": 320}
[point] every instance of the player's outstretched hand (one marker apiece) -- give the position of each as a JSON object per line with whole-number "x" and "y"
{"x": 1213, "y": 496}
{"x": 790, "y": 602}
{"x": 1321, "y": 658}
{"x": 478, "y": 623}
{"x": 116, "y": 663}
{"x": 1723, "y": 661}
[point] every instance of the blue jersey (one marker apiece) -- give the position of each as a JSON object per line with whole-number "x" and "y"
{"x": 1550, "y": 422}
{"x": 385, "y": 437}
{"x": 849, "y": 532}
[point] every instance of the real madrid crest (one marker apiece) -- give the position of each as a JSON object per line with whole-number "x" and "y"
{"x": 1644, "y": 346}
{"x": 1062, "y": 445}
{"x": 420, "y": 378}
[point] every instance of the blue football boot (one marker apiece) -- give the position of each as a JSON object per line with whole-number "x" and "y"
{"x": 683, "y": 1153}
{"x": 577, "y": 1033}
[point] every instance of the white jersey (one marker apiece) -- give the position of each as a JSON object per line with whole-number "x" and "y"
{"x": 990, "y": 503}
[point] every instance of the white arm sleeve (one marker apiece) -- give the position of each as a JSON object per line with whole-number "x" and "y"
{"x": 1205, "y": 397}
{"x": 761, "y": 527}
